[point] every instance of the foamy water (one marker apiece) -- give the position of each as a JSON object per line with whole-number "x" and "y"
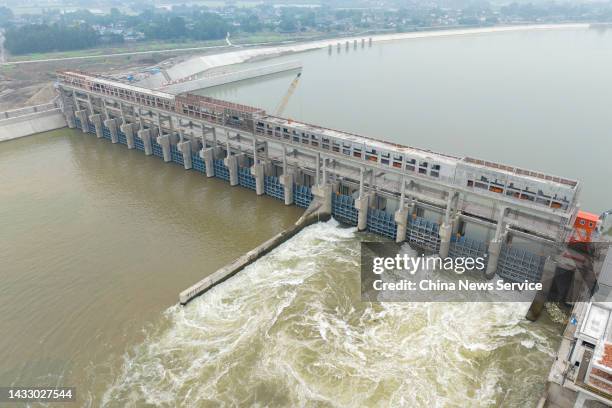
{"x": 291, "y": 330}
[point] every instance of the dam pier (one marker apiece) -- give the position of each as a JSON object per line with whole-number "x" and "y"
{"x": 518, "y": 220}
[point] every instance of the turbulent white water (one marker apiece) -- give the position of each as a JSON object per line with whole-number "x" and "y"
{"x": 291, "y": 330}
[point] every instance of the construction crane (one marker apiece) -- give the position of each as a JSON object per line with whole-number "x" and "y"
{"x": 283, "y": 103}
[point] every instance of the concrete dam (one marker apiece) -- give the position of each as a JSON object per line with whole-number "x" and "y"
{"x": 444, "y": 204}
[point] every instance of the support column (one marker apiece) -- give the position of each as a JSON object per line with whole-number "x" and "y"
{"x": 185, "y": 149}
{"x": 164, "y": 142}
{"x": 111, "y": 124}
{"x": 82, "y": 115}
{"x": 495, "y": 245}
{"x": 446, "y": 229}
{"x": 317, "y": 169}
{"x": 231, "y": 162}
{"x": 362, "y": 203}
{"x": 445, "y": 232}
{"x": 145, "y": 136}
{"x": 401, "y": 220}
{"x": 70, "y": 118}
{"x": 208, "y": 155}
{"x": 96, "y": 119}
{"x": 287, "y": 180}
{"x": 128, "y": 130}
{"x": 401, "y": 215}
{"x": 258, "y": 171}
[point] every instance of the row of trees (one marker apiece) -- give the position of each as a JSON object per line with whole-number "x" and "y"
{"x": 203, "y": 26}
{"x": 43, "y": 38}
{"x": 72, "y": 31}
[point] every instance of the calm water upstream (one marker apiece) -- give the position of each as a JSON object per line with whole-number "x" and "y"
{"x": 536, "y": 99}
{"x": 96, "y": 242}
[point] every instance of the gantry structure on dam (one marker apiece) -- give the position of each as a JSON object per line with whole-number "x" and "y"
{"x": 454, "y": 206}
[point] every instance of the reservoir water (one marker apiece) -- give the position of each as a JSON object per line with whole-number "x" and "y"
{"x": 533, "y": 99}
{"x": 97, "y": 241}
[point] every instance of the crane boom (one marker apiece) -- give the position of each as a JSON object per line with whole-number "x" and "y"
{"x": 283, "y": 104}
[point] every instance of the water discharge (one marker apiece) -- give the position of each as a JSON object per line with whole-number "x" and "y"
{"x": 97, "y": 241}
{"x": 291, "y": 330}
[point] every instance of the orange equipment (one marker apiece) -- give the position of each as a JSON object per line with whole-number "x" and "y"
{"x": 585, "y": 225}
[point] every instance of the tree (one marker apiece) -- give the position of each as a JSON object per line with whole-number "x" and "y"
{"x": 6, "y": 15}
{"x": 44, "y": 38}
{"x": 250, "y": 23}
{"x": 209, "y": 26}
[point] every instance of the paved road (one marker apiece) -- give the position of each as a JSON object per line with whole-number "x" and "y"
{"x": 120, "y": 54}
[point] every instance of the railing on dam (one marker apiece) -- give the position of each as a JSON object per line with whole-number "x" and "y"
{"x": 28, "y": 110}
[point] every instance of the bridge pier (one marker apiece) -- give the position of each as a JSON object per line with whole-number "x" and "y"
{"x": 445, "y": 232}
{"x": 495, "y": 245}
{"x": 145, "y": 136}
{"x": 128, "y": 130}
{"x": 208, "y": 155}
{"x": 447, "y": 227}
{"x": 82, "y": 116}
{"x": 361, "y": 205}
{"x": 164, "y": 142}
{"x": 401, "y": 220}
{"x": 287, "y": 180}
{"x": 185, "y": 149}
{"x": 96, "y": 119}
{"x": 258, "y": 171}
{"x": 111, "y": 124}
{"x": 231, "y": 162}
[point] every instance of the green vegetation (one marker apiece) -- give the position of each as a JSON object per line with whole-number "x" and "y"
{"x": 41, "y": 38}
{"x": 153, "y": 46}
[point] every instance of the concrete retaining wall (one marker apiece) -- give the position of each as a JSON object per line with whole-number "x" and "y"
{"x": 189, "y": 84}
{"x": 31, "y": 123}
{"x": 312, "y": 215}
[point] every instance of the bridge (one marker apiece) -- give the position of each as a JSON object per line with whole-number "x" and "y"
{"x": 445, "y": 204}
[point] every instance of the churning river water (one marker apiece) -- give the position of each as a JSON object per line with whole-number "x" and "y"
{"x": 97, "y": 241}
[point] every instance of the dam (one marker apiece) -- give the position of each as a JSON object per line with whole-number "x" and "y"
{"x": 444, "y": 204}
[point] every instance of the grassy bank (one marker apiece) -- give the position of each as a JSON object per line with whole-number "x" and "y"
{"x": 156, "y": 46}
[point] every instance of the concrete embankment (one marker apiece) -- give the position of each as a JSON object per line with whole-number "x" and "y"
{"x": 202, "y": 63}
{"x": 312, "y": 215}
{"x": 192, "y": 83}
{"x": 31, "y": 120}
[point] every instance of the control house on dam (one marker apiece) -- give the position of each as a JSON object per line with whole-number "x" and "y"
{"x": 440, "y": 203}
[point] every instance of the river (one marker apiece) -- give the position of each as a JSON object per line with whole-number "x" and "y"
{"x": 97, "y": 241}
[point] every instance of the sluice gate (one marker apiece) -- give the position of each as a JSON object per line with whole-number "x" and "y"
{"x": 443, "y": 204}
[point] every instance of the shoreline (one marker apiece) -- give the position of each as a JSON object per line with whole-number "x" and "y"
{"x": 198, "y": 64}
